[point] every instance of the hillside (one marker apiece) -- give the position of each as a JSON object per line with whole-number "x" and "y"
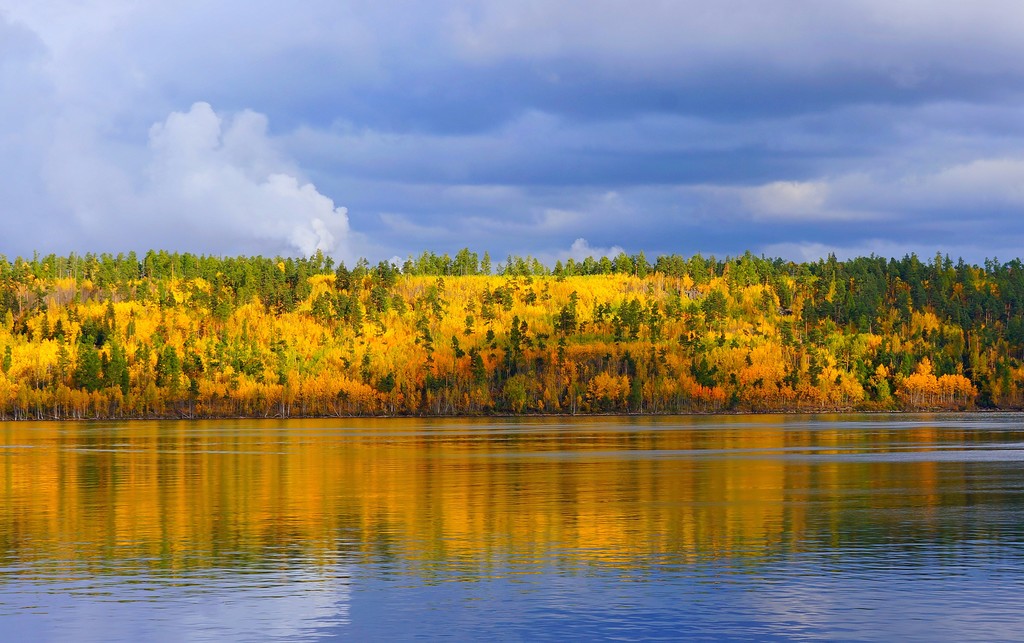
{"x": 170, "y": 335}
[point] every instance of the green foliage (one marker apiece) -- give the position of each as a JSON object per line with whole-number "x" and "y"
{"x": 440, "y": 336}
{"x": 714, "y": 306}
{"x": 168, "y": 368}
{"x": 88, "y": 372}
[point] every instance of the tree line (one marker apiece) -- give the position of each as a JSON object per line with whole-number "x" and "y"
{"x": 182, "y": 335}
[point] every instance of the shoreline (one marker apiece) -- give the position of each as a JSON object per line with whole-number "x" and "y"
{"x": 523, "y": 416}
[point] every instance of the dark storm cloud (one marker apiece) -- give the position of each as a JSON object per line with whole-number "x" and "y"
{"x": 792, "y": 127}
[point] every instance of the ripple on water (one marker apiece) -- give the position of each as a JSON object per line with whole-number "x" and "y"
{"x": 849, "y": 528}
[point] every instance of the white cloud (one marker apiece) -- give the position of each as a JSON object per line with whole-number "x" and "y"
{"x": 979, "y": 184}
{"x": 79, "y": 172}
{"x": 822, "y": 200}
{"x": 955, "y": 248}
{"x": 787, "y": 199}
{"x": 581, "y": 249}
{"x": 812, "y": 251}
{"x": 892, "y": 194}
{"x": 223, "y": 176}
{"x": 203, "y": 183}
{"x": 842, "y": 152}
{"x": 979, "y": 181}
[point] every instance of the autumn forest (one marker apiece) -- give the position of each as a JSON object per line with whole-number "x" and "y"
{"x": 180, "y": 335}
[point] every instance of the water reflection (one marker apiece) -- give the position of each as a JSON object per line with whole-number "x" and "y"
{"x": 211, "y": 519}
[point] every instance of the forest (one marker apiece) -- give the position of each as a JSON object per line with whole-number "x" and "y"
{"x": 188, "y": 336}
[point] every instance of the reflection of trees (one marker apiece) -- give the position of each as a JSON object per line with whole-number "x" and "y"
{"x": 177, "y": 496}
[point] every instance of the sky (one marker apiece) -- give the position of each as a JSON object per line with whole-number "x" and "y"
{"x": 380, "y": 129}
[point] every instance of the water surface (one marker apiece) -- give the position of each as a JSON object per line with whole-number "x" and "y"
{"x": 735, "y": 528}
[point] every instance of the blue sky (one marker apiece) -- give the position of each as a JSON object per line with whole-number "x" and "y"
{"x": 382, "y": 129}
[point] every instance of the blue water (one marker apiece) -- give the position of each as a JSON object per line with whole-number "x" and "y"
{"x": 863, "y": 529}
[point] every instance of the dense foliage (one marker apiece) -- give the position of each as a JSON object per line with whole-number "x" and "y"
{"x": 185, "y": 335}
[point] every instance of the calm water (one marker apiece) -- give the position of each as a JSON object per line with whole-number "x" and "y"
{"x": 748, "y": 528}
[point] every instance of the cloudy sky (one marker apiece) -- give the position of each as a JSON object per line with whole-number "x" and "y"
{"x": 381, "y": 128}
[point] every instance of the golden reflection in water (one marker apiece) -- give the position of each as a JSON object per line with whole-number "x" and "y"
{"x": 187, "y": 495}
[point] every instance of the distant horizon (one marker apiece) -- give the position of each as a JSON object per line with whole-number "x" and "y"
{"x": 499, "y": 262}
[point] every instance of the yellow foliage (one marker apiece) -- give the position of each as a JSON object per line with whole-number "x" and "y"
{"x": 470, "y": 344}
{"x": 608, "y": 389}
